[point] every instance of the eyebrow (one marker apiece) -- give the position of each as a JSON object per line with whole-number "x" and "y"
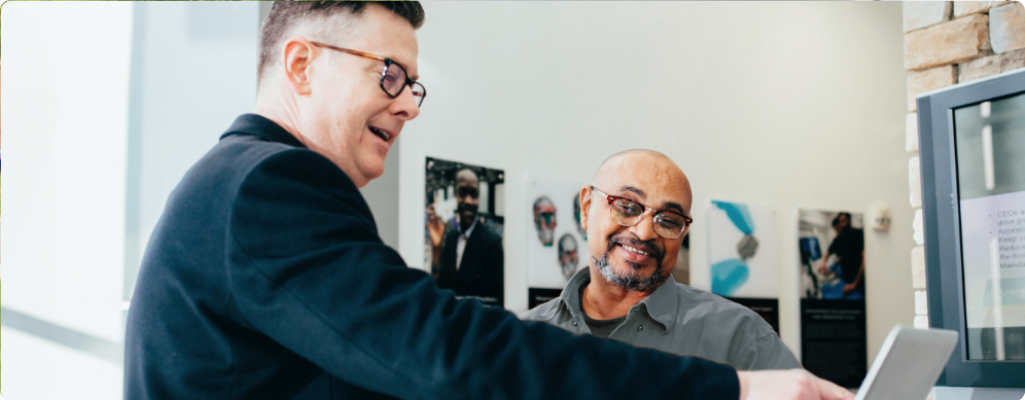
{"x": 673, "y": 206}
{"x": 633, "y": 190}
{"x": 669, "y": 205}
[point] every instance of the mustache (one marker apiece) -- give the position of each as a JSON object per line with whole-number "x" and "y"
{"x": 650, "y": 246}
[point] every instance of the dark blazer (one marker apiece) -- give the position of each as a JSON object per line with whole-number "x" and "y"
{"x": 265, "y": 279}
{"x": 481, "y": 272}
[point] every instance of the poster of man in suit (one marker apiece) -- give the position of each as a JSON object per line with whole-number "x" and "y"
{"x": 464, "y": 225}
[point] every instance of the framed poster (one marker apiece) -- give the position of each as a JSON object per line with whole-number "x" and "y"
{"x": 834, "y": 344}
{"x": 556, "y": 241}
{"x": 742, "y": 256}
{"x": 463, "y": 229}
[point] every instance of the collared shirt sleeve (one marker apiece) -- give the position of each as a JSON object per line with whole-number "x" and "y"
{"x": 307, "y": 269}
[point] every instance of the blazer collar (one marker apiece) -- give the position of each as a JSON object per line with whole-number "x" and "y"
{"x": 257, "y": 125}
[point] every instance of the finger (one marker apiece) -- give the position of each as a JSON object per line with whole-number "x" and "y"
{"x": 830, "y": 391}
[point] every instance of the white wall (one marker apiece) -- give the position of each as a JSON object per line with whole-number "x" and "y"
{"x": 108, "y": 105}
{"x": 783, "y": 104}
{"x": 193, "y": 73}
{"x": 65, "y": 114}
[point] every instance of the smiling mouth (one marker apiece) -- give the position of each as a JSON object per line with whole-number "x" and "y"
{"x": 635, "y": 250}
{"x": 384, "y": 135}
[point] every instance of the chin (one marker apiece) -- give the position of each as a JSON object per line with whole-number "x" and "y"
{"x": 375, "y": 173}
{"x": 625, "y": 267}
{"x": 373, "y": 166}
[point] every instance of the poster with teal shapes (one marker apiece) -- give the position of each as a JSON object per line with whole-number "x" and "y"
{"x": 742, "y": 250}
{"x": 742, "y": 256}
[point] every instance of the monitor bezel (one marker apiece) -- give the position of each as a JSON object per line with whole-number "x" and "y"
{"x": 941, "y": 223}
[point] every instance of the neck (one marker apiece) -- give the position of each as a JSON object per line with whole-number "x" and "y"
{"x": 282, "y": 112}
{"x": 285, "y": 112}
{"x": 467, "y": 223}
{"x": 603, "y": 300}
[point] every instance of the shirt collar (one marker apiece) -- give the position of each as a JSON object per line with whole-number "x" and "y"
{"x": 661, "y": 306}
{"x": 570, "y": 296}
{"x": 257, "y": 125}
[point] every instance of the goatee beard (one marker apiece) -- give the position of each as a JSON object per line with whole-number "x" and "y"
{"x": 631, "y": 280}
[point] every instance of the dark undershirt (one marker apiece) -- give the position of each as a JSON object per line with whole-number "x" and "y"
{"x": 599, "y": 327}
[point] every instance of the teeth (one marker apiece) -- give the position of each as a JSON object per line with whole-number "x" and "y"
{"x": 634, "y": 250}
{"x": 384, "y": 135}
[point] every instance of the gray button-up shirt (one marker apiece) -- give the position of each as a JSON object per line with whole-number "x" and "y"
{"x": 682, "y": 320}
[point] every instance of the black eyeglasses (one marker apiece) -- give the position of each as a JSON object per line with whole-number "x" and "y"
{"x": 626, "y": 212}
{"x": 393, "y": 80}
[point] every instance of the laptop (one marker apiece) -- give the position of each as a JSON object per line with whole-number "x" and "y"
{"x": 908, "y": 364}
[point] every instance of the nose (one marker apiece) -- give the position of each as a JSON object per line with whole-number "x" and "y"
{"x": 405, "y": 106}
{"x": 645, "y": 228}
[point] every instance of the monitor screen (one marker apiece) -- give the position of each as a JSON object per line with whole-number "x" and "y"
{"x": 989, "y": 139}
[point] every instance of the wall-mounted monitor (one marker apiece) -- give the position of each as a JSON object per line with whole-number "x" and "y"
{"x": 972, "y": 150}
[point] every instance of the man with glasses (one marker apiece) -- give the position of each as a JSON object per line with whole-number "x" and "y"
{"x": 636, "y": 212}
{"x": 265, "y": 277}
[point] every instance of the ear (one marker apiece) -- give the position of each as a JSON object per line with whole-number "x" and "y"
{"x": 297, "y": 59}
{"x": 585, "y": 205}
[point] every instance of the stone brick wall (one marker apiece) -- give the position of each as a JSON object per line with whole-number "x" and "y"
{"x": 946, "y": 43}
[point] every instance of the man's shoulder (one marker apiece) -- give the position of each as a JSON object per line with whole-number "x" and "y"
{"x": 247, "y": 159}
{"x": 241, "y": 154}
{"x": 489, "y": 234}
{"x": 245, "y": 167}
{"x": 483, "y": 234}
{"x": 720, "y": 309}
{"x": 545, "y": 312}
{"x": 485, "y": 230}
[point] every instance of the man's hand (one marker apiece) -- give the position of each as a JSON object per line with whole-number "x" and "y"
{"x": 793, "y": 384}
{"x": 435, "y": 227}
{"x": 849, "y": 288}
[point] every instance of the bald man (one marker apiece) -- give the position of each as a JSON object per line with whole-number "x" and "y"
{"x": 636, "y": 212}
{"x": 472, "y": 260}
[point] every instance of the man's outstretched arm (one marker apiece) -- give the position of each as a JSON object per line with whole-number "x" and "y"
{"x": 307, "y": 269}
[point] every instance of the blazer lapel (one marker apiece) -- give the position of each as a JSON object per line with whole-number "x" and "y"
{"x": 472, "y": 252}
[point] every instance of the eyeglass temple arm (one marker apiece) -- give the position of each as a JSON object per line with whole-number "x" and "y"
{"x": 353, "y": 52}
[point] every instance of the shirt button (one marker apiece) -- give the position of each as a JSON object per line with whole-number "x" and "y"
{"x": 574, "y": 323}
{"x": 640, "y": 327}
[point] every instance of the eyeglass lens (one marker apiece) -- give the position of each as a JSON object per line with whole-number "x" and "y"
{"x": 395, "y": 80}
{"x": 629, "y": 213}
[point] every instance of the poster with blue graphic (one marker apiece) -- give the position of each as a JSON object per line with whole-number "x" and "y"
{"x": 742, "y": 256}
